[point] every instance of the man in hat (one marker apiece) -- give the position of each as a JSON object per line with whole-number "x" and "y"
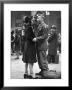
{"x": 41, "y": 45}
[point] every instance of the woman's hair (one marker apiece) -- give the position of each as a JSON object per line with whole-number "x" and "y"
{"x": 27, "y": 19}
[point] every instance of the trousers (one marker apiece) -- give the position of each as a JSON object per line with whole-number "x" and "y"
{"x": 42, "y": 60}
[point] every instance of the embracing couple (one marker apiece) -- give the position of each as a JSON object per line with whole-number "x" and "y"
{"x": 35, "y": 46}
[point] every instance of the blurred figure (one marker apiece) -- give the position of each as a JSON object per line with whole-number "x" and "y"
{"x": 59, "y": 42}
{"x": 22, "y": 41}
{"x": 17, "y": 43}
{"x": 12, "y": 42}
{"x": 53, "y": 44}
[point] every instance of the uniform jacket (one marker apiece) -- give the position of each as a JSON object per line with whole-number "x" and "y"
{"x": 42, "y": 36}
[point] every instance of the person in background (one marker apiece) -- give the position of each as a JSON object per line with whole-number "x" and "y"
{"x": 17, "y": 43}
{"x": 59, "y": 42}
{"x": 53, "y": 44}
{"x": 29, "y": 53}
{"x": 12, "y": 42}
{"x": 22, "y": 41}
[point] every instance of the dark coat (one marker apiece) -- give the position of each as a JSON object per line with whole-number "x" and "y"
{"x": 17, "y": 42}
{"x": 29, "y": 54}
{"x": 22, "y": 43}
{"x": 42, "y": 36}
{"x": 53, "y": 44}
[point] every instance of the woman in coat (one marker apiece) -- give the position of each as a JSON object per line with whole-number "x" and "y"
{"x": 29, "y": 54}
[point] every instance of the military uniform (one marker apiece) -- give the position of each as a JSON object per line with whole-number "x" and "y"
{"x": 41, "y": 47}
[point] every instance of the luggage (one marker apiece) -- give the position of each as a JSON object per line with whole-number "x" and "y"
{"x": 50, "y": 75}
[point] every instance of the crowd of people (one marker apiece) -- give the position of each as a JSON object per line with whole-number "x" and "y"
{"x": 33, "y": 43}
{"x": 17, "y": 42}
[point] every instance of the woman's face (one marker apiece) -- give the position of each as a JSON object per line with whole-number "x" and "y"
{"x": 39, "y": 18}
{"x": 33, "y": 19}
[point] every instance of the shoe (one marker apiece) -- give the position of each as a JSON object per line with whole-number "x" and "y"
{"x": 51, "y": 75}
{"x": 25, "y": 76}
{"x": 39, "y": 73}
{"x": 35, "y": 78}
{"x": 30, "y": 77}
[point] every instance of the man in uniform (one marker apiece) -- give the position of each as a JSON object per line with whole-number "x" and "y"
{"x": 41, "y": 45}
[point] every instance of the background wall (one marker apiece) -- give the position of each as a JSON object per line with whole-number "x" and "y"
{"x": 52, "y": 18}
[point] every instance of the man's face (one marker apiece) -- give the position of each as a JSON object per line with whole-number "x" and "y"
{"x": 39, "y": 18}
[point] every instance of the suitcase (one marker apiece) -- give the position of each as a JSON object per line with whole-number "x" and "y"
{"x": 52, "y": 74}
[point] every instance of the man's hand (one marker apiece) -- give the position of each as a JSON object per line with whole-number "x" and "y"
{"x": 34, "y": 39}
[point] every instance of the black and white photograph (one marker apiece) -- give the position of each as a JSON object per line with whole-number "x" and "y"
{"x": 36, "y": 44}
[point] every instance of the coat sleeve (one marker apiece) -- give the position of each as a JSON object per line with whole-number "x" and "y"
{"x": 30, "y": 34}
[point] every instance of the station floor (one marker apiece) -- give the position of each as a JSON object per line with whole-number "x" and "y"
{"x": 17, "y": 67}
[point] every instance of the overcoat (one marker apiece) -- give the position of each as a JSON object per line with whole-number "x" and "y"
{"x": 53, "y": 43}
{"x": 29, "y": 53}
